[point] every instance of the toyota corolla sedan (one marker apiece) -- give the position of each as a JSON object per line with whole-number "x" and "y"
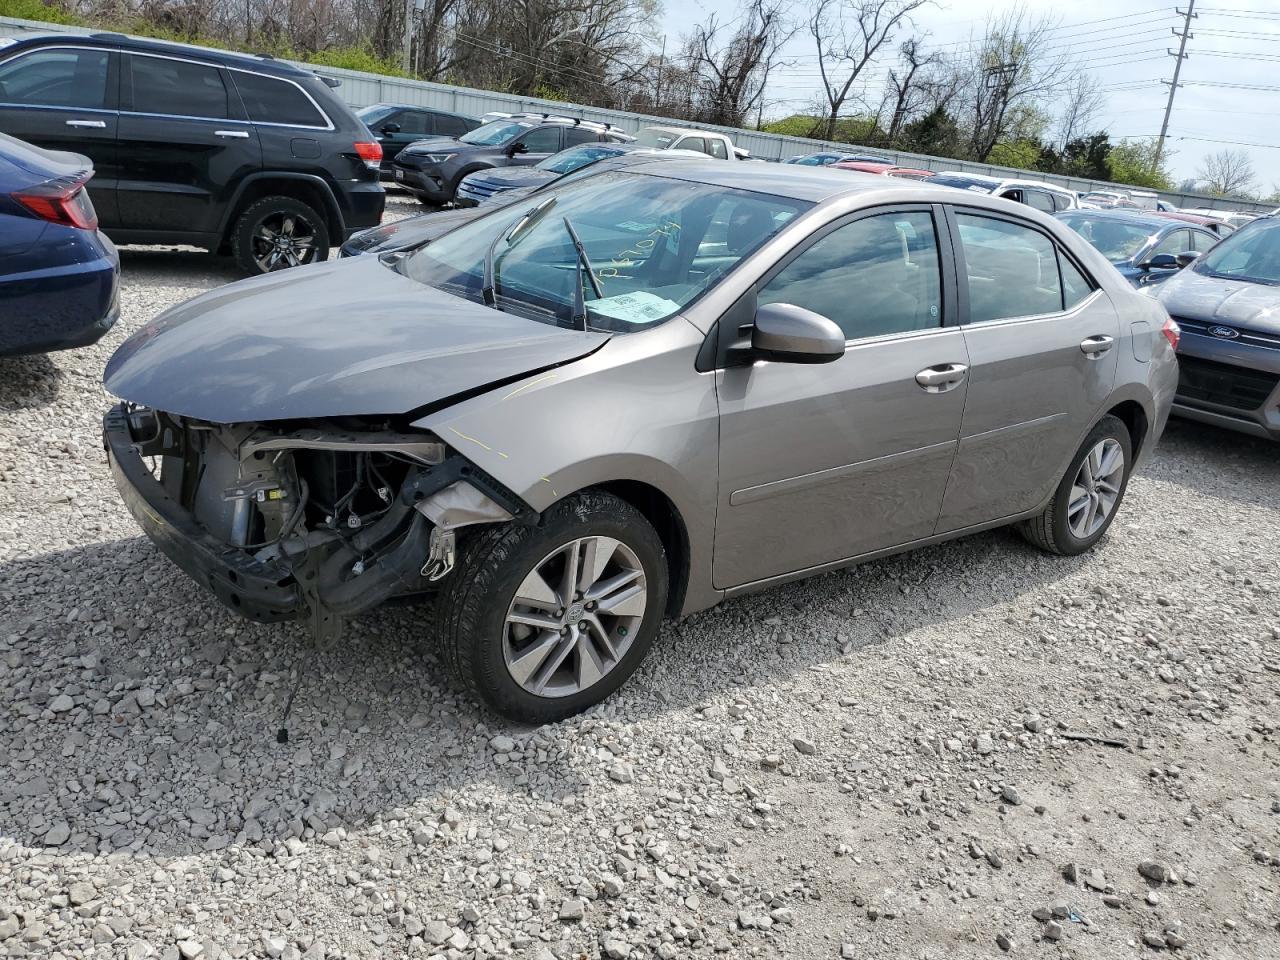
{"x": 631, "y": 397}
{"x": 1228, "y": 304}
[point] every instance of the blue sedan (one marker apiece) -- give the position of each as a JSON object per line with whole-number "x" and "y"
{"x": 1146, "y": 248}
{"x": 59, "y": 277}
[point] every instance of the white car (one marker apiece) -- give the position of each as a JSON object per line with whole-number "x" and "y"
{"x": 710, "y": 142}
{"x": 1034, "y": 193}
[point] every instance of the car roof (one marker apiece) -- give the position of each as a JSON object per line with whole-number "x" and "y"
{"x": 1130, "y": 215}
{"x": 693, "y": 131}
{"x": 814, "y": 184}
{"x": 119, "y": 41}
{"x": 413, "y": 106}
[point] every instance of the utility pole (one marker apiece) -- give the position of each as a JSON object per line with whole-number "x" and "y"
{"x": 1184, "y": 36}
{"x": 657, "y": 84}
{"x": 406, "y": 52}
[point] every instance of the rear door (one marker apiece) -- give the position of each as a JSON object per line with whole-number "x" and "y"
{"x": 65, "y": 98}
{"x": 819, "y": 463}
{"x": 1043, "y": 342}
{"x": 185, "y": 144}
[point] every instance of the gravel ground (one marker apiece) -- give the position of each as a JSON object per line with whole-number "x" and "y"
{"x": 969, "y": 749}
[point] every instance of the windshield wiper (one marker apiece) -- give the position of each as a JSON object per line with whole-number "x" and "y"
{"x": 532, "y": 215}
{"x": 583, "y": 262}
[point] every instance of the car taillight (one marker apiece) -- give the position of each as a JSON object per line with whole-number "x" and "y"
{"x": 1172, "y": 332}
{"x": 370, "y": 153}
{"x": 63, "y": 201}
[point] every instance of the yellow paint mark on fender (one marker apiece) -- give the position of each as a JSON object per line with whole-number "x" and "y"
{"x": 480, "y": 443}
{"x": 532, "y": 383}
{"x": 553, "y": 489}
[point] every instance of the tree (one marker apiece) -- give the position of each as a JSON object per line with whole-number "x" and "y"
{"x": 909, "y": 86}
{"x": 1083, "y": 102}
{"x": 936, "y": 134}
{"x": 731, "y": 73}
{"x": 849, "y": 34}
{"x": 1137, "y": 162}
{"x": 1228, "y": 173}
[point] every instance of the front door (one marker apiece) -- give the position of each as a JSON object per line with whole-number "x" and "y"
{"x": 1043, "y": 343}
{"x": 64, "y": 98}
{"x": 183, "y": 140}
{"x": 537, "y": 146}
{"x": 402, "y": 128}
{"x": 819, "y": 463}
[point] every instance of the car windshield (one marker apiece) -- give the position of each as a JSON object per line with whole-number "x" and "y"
{"x": 656, "y": 138}
{"x": 962, "y": 182}
{"x": 374, "y": 114}
{"x": 566, "y": 161}
{"x": 1117, "y": 240}
{"x": 655, "y": 244}
{"x": 495, "y": 133}
{"x": 1252, "y": 254}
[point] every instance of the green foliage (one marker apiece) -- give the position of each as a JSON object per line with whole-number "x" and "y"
{"x": 856, "y": 130}
{"x": 38, "y": 10}
{"x": 1134, "y": 162}
{"x": 353, "y": 58}
{"x": 1082, "y": 157}
{"x": 544, "y": 92}
{"x": 1023, "y": 154}
{"x": 936, "y": 134}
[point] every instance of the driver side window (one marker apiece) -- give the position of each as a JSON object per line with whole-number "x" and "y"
{"x": 875, "y": 276}
{"x": 543, "y": 140}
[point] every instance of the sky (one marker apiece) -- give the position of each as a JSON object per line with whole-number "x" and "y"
{"x": 1230, "y": 93}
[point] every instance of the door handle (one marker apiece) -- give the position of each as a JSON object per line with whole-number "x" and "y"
{"x": 232, "y": 134}
{"x": 941, "y": 377}
{"x": 95, "y": 124}
{"x": 1094, "y": 347}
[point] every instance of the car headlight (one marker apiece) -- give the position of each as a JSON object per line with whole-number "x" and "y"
{"x": 437, "y": 157}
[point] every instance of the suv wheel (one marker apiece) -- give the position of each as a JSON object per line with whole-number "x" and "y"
{"x": 542, "y": 622}
{"x": 1089, "y": 495}
{"x": 279, "y": 232}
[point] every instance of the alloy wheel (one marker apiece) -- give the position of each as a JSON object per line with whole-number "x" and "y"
{"x": 283, "y": 240}
{"x": 575, "y": 616}
{"x": 1096, "y": 488}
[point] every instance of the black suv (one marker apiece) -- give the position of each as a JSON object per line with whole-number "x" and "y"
{"x": 396, "y": 125}
{"x": 433, "y": 168}
{"x": 237, "y": 154}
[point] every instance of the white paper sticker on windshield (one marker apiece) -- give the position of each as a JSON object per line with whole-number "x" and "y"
{"x": 638, "y": 307}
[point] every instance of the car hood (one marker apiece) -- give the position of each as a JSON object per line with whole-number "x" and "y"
{"x": 345, "y": 338}
{"x": 506, "y": 177}
{"x": 437, "y": 145}
{"x": 409, "y": 232}
{"x": 1236, "y": 303}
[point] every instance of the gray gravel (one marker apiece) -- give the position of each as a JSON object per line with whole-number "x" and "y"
{"x": 971, "y": 750}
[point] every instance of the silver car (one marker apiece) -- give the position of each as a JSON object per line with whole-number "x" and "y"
{"x": 631, "y": 397}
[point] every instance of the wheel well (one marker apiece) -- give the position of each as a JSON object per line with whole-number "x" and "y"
{"x": 1131, "y": 414}
{"x": 304, "y": 190}
{"x": 666, "y": 520}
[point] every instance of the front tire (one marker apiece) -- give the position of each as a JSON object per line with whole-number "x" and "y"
{"x": 276, "y": 233}
{"x": 542, "y": 622}
{"x": 1089, "y": 495}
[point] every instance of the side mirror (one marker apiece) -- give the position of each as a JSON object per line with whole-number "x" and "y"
{"x": 790, "y": 334}
{"x": 389, "y": 128}
{"x": 1186, "y": 257}
{"x": 518, "y": 147}
{"x": 1161, "y": 261}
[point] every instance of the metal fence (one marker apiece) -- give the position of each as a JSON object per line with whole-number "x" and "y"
{"x": 361, "y": 89}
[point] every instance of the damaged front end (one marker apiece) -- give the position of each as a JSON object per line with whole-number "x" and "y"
{"x": 318, "y": 520}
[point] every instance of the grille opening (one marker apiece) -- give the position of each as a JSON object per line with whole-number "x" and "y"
{"x": 1223, "y": 384}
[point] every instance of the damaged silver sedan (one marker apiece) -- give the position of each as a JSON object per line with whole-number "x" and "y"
{"x": 632, "y": 397}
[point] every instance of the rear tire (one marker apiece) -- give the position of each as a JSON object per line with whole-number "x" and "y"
{"x": 520, "y": 572}
{"x": 276, "y": 233}
{"x": 1086, "y": 500}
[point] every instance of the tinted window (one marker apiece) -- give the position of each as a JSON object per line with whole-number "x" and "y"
{"x": 276, "y": 101}
{"x": 576, "y": 135}
{"x": 177, "y": 88}
{"x": 447, "y": 126}
{"x": 414, "y": 122}
{"x": 1175, "y": 243}
{"x": 542, "y": 140}
{"x": 1075, "y": 285}
{"x": 875, "y": 276}
{"x": 961, "y": 182}
{"x": 1012, "y": 270}
{"x": 1200, "y": 242}
{"x": 717, "y": 149}
{"x": 56, "y": 78}
{"x": 373, "y": 116}
{"x": 496, "y": 132}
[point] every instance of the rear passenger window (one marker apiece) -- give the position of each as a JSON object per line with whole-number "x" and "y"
{"x": 177, "y": 88}
{"x": 1012, "y": 270}
{"x": 414, "y": 122}
{"x": 693, "y": 143}
{"x": 447, "y": 126}
{"x": 1075, "y": 285}
{"x": 56, "y": 78}
{"x": 542, "y": 140}
{"x": 1039, "y": 200}
{"x": 269, "y": 100}
{"x": 717, "y": 149}
{"x": 875, "y": 276}
{"x": 578, "y": 135}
